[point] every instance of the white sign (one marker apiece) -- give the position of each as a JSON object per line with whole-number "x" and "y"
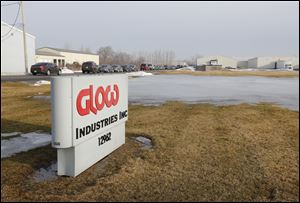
{"x": 88, "y": 119}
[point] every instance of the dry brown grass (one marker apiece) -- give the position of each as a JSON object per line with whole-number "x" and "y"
{"x": 201, "y": 153}
{"x": 235, "y": 73}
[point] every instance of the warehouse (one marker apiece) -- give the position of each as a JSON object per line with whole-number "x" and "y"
{"x": 274, "y": 62}
{"x": 63, "y": 57}
{"x": 12, "y": 50}
{"x": 220, "y": 61}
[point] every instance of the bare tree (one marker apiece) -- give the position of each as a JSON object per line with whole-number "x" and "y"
{"x": 82, "y": 48}
{"x": 193, "y": 59}
{"x": 106, "y": 54}
{"x": 87, "y": 50}
{"x": 157, "y": 57}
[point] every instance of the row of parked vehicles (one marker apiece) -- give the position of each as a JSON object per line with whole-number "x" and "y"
{"x": 92, "y": 67}
{"x": 47, "y": 68}
{"x": 147, "y": 67}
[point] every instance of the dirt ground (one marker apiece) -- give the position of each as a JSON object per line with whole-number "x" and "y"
{"x": 201, "y": 152}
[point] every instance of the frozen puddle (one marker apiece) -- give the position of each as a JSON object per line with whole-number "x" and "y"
{"x": 218, "y": 90}
{"x": 23, "y": 143}
{"x": 147, "y": 143}
{"x": 46, "y": 174}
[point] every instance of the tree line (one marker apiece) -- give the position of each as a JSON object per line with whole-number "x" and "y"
{"x": 159, "y": 57}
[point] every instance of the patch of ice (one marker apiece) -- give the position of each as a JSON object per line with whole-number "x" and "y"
{"x": 259, "y": 69}
{"x": 10, "y": 134}
{"x": 214, "y": 89}
{"x": 147, "y": 143}
{"x": 139, "y": 74}
{"x": 42, "y": 97}
{"x": 24, "y": 143}
{"x": 66, "y": 71}
{"x": 46, "y": 174}
{"x": 190, "y": 68}
{"x": 42, "y": 82}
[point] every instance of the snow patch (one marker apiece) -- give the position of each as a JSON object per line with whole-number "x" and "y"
{"x": 46, "y": 174}
{"x": 66, "y": 71}
{"x": 24, "y": 143}
{"x": 42, "y": 82}
{"x": 77, "y": 71}
{"x": 147, "y": 143}
{"x": 139, "y": 74}
{"x": 10, "y": 134}
{"x": 190, "y": 68}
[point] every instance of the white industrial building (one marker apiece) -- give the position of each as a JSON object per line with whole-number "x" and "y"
{"x": 274, "y": 62}
{"x": 12, "y": 50}
{"x": 267, "y": 62}
{"x": 217, "y": 60}
{"x": 62, "y": 57}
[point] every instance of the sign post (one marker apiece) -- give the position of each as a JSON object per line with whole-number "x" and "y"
{"x": 88, "y": 119}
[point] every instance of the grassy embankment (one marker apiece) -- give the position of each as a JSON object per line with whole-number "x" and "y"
{"x": 235, "y": 73}
{"x": 201, "y": 153}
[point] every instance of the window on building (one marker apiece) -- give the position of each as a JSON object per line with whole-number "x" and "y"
{"x": 63, "y": 62}
{"x": 55, "y": 61}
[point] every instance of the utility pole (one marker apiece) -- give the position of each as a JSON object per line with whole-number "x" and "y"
{"x": 24, "y": 38}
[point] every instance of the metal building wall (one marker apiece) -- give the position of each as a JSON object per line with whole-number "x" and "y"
{"x": 12, "y": 50}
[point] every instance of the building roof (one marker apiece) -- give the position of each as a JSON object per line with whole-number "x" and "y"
{"x": 46, "y": 53}
{"x": 69, "y": 50}
{"x": 16, "y": 29}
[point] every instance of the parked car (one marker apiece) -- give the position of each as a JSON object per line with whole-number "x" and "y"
{"x": 133, "y": 67}
{"x": 151, "y": 67}
{"x": 105, "y": 68}
{"x": 126, "y": 68}
{"x": 144, "y": 67}
{"x": 45, "y": 68}
{"x": 89, "y": 67}
{"x": 156, "y": 67}
{"x": 117, "y": 68}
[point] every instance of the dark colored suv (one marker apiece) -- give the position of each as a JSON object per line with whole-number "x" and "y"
{"x": 89, "y": 67}
{"x": 44, "y": 68}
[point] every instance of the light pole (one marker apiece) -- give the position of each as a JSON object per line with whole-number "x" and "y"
{"x": 24, "y": 38}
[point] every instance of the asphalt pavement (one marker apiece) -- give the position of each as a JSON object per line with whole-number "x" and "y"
{"x": 29, "y": 77}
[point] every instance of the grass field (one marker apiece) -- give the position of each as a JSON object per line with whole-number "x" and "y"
{"x": 201, "y": 153}
{"x": 235, "y": 73}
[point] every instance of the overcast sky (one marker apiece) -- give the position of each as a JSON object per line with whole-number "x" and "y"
{"x": 188, "y": 28}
